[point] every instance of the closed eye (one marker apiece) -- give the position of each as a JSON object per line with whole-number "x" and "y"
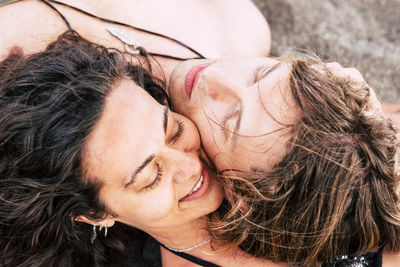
{"x": 156, "y": 180}
{"x": 263, "y": 70}
{"x": 178, "y": 132}
{"x": 258, "y": 73}
{"x": 236, "y": 110}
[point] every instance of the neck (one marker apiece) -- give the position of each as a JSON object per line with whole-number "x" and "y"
{"x": 181, "y": 236}
{"x": 219, "y": 254}
{"x": 192, "y": 233}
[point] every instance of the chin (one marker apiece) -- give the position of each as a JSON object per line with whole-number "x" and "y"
{"x": 216, "y": 196}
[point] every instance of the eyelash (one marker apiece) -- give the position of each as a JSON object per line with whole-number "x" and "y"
{"x": 181, "y": 128}
{"x": 256, "y": 75}
{"x": 227, "y": 117}
{"x": 156, "y": 180}
{"x": 173, "y": 139}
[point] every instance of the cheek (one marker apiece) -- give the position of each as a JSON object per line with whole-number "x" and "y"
{"x": 142, "y": 209}
{"x": 155, "y": 207}
{"x": 212, "y": 138}
{"x": 248, "y": 153}
{"x": 261, "y": 153}
{"x": 240, "y": 158}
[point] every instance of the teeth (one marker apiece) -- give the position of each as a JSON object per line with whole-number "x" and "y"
{"x": 198, "y": 184}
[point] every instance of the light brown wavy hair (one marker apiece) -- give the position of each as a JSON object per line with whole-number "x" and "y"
{"x": 334, "y": 193}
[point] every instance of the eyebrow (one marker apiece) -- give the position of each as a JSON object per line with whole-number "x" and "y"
{"x": 139, "y": 169}
{"x": 165, "y": 122}
{"x": 152, "y": 156}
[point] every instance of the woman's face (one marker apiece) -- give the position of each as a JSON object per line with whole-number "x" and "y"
{"x": 241, "y": 107}
{"x": 147, "y": 159}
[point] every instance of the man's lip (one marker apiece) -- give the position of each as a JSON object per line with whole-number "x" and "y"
{"x": 191, "y": 77}
{"x": 202, "y": 190}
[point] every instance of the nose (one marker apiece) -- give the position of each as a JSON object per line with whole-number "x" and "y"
{"x": 182, "y": 156}
{"x": 219, "y": 85}
{"x": 185, "y": 166}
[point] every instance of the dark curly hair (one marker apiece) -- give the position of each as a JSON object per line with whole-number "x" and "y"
{"x": 49, "y": 103}
{"x": 335, "y": 191}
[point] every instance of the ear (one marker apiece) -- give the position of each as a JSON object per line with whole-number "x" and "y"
{"x": 107, "y": 222}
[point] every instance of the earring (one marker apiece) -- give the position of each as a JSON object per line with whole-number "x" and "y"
{"x": 93, "y": 234}
{"x": 105, "y": 230}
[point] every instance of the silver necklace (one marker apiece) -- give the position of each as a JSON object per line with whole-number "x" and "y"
{"x": 130, "y": 45}
{"x": 190, "y": 248}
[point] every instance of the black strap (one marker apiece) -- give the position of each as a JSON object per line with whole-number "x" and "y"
{"x": 59, "y": 13}
{"x": 199, "y": 56}
{"x": 191, "y": 258}
{"x": 379, "y": 257}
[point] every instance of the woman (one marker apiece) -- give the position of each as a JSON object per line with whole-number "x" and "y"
{"x": 309, "y": 156}
{"x": 70, "y": 161}
{"x": 100, "y": 28}
{"x": 84, "y": 146}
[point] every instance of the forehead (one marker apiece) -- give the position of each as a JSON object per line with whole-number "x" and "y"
{"x": 125, "y": 134}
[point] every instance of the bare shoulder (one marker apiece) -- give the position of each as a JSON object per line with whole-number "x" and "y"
{"x": 248, "y": 26}
{"x": 217, "y": 28}
{"x": 28, "y": 24}
{"x": 390, "y": 258}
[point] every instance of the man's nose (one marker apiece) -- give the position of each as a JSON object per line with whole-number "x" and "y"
{"x": 219, "y": 85}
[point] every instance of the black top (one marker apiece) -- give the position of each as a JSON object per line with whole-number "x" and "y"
{"x": 372, "y": 259}
{"x": 367, "y": 260}
{"x": 191, "y": 258}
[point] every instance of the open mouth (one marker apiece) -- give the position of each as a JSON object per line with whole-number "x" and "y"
{"x": 198, "y": 185}
{"x": 200, "y": 188}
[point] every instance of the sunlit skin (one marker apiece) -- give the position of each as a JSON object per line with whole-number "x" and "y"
{"x": 131, "y": 130}
{"x": 241, "y": 114}
{"x": 242, "y": 108}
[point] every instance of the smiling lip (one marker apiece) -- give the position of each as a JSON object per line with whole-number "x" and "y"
{"x": 202, "y": 190}
{"x": 191, "y": 76}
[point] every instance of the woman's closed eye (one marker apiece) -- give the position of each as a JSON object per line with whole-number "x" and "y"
{"x": 156, "y": 180}
{"x": 178, "y": 133}
{"x": 171, "y": 140}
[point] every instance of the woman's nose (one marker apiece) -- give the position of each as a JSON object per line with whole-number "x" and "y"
{"x": 185, "y": 165}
